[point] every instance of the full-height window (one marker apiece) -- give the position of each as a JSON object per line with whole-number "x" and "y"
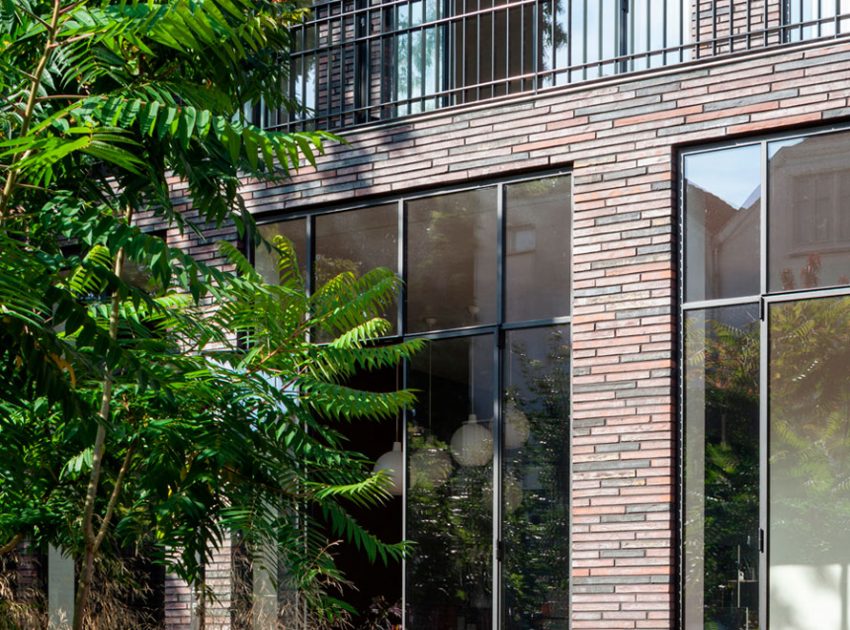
{"x": 766, "y": 384}
{"x": 486, "y": 447}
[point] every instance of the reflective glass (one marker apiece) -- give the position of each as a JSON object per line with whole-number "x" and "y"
{"x": 722, "y": 233}
{"x": 357, "y": 242}
{"x": 536, "y": 479}
{"x": 809, "y": 464}
{"x": 451, "y": 260}
{"x": 537, "y": 249}
{"x": 266, "y": 261}
{"x": 721, "y": 517}
{"x": 450, "y": 486}
{"x": 809, "y": 219}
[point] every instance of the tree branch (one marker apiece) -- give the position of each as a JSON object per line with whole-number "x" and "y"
{"x": 12, "y": 544}
{"x": 89, "y": 536}
{"x": 12, "y": 175}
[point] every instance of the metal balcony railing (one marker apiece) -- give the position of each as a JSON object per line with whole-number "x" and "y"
{"x": 362, "y": 61}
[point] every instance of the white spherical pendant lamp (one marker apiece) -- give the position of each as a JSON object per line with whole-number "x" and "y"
{"x": 517, "y": 427}
{"x": 472, "y": 444}
{"x": 430, "y": 467}
{"x": 393, "y": 462}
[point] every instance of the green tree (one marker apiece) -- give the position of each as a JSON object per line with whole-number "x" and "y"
{"x": 147, "y": 397}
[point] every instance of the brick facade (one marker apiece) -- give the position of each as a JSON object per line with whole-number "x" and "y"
{"x": 620, "y": 137}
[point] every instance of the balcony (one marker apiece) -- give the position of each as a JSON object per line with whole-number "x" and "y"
{"x": 356, "y": 62}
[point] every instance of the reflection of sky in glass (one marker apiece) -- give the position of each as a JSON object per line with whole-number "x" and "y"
{"x": 728, "y": 175}
{"x": 775, "y": 147}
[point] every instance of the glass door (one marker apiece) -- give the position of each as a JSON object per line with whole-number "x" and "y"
{"x": 808, "y": 463}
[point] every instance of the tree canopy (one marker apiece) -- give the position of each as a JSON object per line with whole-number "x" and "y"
{"x": 146, "y": 397}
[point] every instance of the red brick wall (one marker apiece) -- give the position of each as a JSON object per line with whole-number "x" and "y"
{"x": 620, "y": 137}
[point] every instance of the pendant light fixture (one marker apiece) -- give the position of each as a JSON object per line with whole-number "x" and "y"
{"x": 393, "y": 461}
{"x": 430, "y": 466}
{"x": 472, "y": 443}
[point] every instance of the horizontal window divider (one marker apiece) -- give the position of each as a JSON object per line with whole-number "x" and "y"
{"x": 806, "y": 294}
{"x": 719, "y": 303}
{"x": 538, "y": 323}
{"x": 452, "y": 333}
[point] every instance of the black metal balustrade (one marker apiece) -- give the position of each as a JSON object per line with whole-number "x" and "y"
{"x": 363, "y": 61}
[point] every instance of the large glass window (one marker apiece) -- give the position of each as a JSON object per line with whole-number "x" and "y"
{"x": 721, "y": 524}
{"x": 451, "y": 259}
{"x": 765, "y": 386}
{"x": 486, "y": 447}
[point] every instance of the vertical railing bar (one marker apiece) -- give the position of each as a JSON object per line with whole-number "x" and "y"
{"x": 697, "y": 30}
{"x": 835, "y": 17}
{"x": 622, "y": 26}
{"x": 328, "y": 64}
{"x": 521, "y": 47}
{"x": 553, "y": 39}
{"x": 536, "y": 43}
{"x": 631, "y": 46}
{"x": 409, "y": 35}
{"x": 493, "y": 49}
{"x": 714, "y": 27}
{"x": 367, "y": 46}
{"x": 731, "y": 37}
{"x": 384, "y": 74}
{"x": 478, "y": 55}
{"x": 600, "y": 51}
{"x": 820, "y": 17}
{"x": 749, "y": 27}
{"x": 344, "y": 56}
{"x": 423, "y": 42}
{"x": 461, "y": 57}
{"x": 765, "y": 22}
{"x": 423, "y": 62}
{"x": 569, "y": 4}
{"x": 664, "y": 33}
{"x": 648, "y": 33}
{"x": 584, "y": 41}
{"x": 802, "y": 20}
{"x": 356, "y": 70}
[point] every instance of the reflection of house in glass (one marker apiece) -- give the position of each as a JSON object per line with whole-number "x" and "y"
{"x": 810, "y": 189}
{"x": 726, "y": 240}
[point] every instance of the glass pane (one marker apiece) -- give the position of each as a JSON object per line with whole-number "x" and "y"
{"x": 375, "y": 587}
{"x": 809, "y": 225}
{"x": 722, "y": 234}
{"x": 357, "y": 242}
{"x": 537, "y": 249}
{"x": 265, "y": 261}
{"x": 809, "y": 464}
{"x": 536, "y": 479}
{"x": 451, "y": 258}
{"x": 721, "y": 522}
{"x": 450, "y": 497}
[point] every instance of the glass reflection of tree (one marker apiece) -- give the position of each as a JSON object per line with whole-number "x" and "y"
{"x": 451, "y": 563}
{"x": 535, "y": 528}
{"x": 730, "y": 356}
{"x": 810, "y": 427}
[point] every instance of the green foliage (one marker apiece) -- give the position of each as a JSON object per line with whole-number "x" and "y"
{"x": 189, "y": 399}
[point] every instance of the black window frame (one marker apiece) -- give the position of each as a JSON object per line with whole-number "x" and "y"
{"x": 499, "y": 330}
